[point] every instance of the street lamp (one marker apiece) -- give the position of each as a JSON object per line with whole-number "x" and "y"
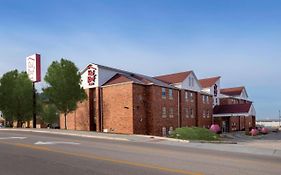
{"x": 279, "y": 119}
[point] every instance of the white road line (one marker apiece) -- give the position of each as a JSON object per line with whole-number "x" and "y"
{"x": 8, "y": 138}
{"x": 55, "y": 143}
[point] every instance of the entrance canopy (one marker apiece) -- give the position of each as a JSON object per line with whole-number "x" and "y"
{"x": 232, "y": 110}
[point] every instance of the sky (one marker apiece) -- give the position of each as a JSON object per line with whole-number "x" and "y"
{"x": 236, "y": 39}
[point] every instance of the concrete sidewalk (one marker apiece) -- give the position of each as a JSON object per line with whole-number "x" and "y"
{"x": 98, "y": 135}
{"x": 241, "y": 147}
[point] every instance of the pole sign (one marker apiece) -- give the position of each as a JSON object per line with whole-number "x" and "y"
{"x": 33, "y": 67}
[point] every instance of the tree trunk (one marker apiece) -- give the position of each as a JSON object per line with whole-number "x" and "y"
{"x": 65, "y": 127}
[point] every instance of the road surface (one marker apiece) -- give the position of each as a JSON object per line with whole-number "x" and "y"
{"x": 26, "y": 153}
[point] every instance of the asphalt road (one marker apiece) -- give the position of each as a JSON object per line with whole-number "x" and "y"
{"x": 26, "y": 153}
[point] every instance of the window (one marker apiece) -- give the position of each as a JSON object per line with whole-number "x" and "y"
{"x": 186, "y": 113}
{"x": 170, "y": 93}
{"x": 191, "y": 96}
{"x": 203, "y": 98}
{"x": 164, "y": 112}
{"x": 207, "y": 99}
{"x": 186, "y": 96}
{"x": 171, "y": 114}
{"x": 163, "y": 93}
{"x": 191, "y": 113}
{"x": 192, "y": 82}
{"x": 204, "y": 114}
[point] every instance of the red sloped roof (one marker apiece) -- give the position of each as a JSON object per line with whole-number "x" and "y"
{"x": 233, "y": 108}
{"x": 232, "y": 91}
{"x": 208, "y": 82}
{"x": 174, "y": 78}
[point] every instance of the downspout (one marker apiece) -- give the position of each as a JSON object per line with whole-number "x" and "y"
{"x": 179, "y": 117}
{"x": 101, "y": 110}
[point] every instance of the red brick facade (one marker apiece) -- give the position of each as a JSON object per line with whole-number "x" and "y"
{"x": 129, "y": 103}
{"x": 131, "y": 108}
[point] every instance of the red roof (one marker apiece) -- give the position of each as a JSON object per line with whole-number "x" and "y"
{"x": 208, "y": 82}
{"x": 232, "y": 91}
{"x": 174, "y": 78}
{"x": 232, "y": 108}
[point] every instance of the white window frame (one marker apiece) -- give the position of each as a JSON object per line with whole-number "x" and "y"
{"x": 191, "y": 96}
{"x": 170, "y": 93}
{"x": 171, "y": 112}
{"x": 186, "y": 94}
{"x": 163, "y": 93}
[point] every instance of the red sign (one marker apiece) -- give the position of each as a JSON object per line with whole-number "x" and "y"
{"x": 91, "y": 75}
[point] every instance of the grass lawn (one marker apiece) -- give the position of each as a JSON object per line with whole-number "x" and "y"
{"x": 194, "y": 133}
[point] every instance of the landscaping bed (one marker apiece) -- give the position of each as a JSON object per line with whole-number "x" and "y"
{"x": 194, "y": 133}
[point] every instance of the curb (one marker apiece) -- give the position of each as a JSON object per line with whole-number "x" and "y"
{"x": 68, "y": 134}
{"x": 215, "y": 142}
{"x": 163, "y": 138}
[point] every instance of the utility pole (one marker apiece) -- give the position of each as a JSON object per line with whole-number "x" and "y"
{"x": 279, "y": 119}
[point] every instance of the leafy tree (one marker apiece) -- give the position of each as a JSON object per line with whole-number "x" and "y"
{"x": 16, "y": 96}
{"x": 64, "y": 88}
{"x": 49, "y": 113}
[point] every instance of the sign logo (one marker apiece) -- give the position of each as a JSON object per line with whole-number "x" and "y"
{"x": 91, "y": 75}
{"x": 33, "y": 67}
{"x": 215, "y": 90}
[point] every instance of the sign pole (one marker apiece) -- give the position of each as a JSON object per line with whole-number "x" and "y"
{"x": 34, "y": 105}
{"x": 33, "y": 69}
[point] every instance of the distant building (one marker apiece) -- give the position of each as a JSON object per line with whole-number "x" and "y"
{"x": 269, "y": 122}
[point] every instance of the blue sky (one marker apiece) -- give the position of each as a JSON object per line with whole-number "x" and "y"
{"x": 238, "y": 40}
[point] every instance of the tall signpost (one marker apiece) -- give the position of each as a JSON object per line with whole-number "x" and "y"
{"x": 33, "y": 69}
{"x": 279, "y": 119}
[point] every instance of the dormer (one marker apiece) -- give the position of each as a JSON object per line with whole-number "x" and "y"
{"x": 212, "y": 86}
{"x": 183, "y": 80}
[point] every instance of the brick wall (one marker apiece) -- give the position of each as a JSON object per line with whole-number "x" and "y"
{"x": 186, "y": 105}
{"x": 155, "y": 103}
{"x": 118, "y": 108}
{"x": 204, "y": 107}
{"x": 139, "y": 110}
{"x": 227, "y": 101}
{"x": 249, "y": 123}
{"x": 234, "y": 124}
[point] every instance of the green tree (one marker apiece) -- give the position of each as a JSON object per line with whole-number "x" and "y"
{"x": 49, "y": 113}
{"x": 64, "y": 88}
{"x": 16, "y": 96}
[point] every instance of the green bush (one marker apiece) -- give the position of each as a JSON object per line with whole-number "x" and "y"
{"x": 194, "y": 133}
